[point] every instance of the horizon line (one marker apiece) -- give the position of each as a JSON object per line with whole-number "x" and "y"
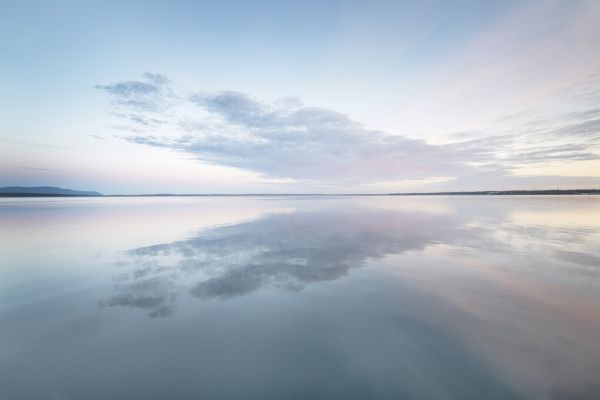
{"x": 439, "y": 193}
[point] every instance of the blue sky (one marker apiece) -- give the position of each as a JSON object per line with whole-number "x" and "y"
{"x": 234, "y": 97}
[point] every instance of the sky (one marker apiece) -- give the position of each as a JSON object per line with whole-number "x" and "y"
{"x": 127, "y": 97}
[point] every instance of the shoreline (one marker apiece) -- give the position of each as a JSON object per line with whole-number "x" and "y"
{"x": 555, "y": 192}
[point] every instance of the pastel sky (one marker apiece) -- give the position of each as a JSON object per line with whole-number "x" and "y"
{"x": 300, "y": 96}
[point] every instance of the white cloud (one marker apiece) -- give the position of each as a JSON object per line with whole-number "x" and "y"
{"x": 288, "y": 141}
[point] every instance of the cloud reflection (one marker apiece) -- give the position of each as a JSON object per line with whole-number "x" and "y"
{"x": 284, "y": 251}
{"x": 288, "y": 251}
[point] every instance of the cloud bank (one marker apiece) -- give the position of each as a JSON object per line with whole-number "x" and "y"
{"x": 287, "y": 139}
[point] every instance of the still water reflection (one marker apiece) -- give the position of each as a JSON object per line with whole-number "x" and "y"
{"x": 346, "y": 297}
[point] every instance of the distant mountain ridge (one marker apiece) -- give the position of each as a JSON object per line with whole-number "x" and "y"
{"x": 44, "y": 191}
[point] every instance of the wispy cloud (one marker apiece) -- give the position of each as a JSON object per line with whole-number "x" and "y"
{"x": 38, "y": 169}
{"x": 148, "y": 95}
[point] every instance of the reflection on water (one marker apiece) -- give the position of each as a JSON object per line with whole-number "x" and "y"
{"x": 287, "y": 251}
{"x": 416, "y": 298}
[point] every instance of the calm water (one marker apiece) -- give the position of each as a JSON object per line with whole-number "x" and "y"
{"x": 304, "y": 298}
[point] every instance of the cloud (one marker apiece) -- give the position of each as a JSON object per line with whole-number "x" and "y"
{"x": 282, "y": 139}
{"x": 38, "y": 169}
{"x": 157, "y": 79}
{"x": 585, "y": 90}
{"x": 287, "y": 139}
{"x": 572, "y": 136}
{"x": 588, "y": 128}
{"x": 151, "y": 94}
{"x": 570, "y": 152}
{"x": 300, "y": 142}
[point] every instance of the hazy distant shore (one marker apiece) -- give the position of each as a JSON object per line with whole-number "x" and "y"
{"x": 72, "y": 193}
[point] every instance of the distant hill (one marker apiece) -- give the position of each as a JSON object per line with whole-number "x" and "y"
{"x": 14, "y": 191}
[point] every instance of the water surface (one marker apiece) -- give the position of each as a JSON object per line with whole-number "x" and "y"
{"x": 300, "y": 297}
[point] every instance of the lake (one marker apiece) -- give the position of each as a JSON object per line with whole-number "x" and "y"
{"x": 458, "y": 297}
